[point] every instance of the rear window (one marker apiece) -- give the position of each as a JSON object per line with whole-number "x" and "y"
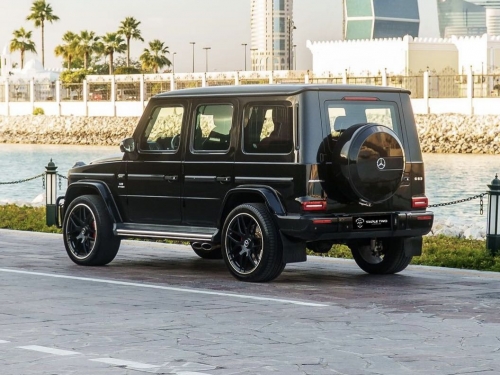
{"x": 343, "y": 114}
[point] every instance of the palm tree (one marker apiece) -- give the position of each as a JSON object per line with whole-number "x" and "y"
{"x": 41, "y": 12}
{"x": 154, "y": 58}
{"x": 68, "y": 50}
{"x": 22, "y": 42}
{"x": 112, "y": 43}
{"x": 129, "y": 29}
{"x": 87, "y": 44}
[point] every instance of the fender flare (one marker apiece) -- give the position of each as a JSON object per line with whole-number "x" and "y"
{"x": 98, "y": 187}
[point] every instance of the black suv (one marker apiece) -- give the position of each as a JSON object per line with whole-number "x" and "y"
{"x": 255, "y": 174}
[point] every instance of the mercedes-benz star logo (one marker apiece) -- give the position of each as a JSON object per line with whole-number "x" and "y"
{"x": 381, "y": 163}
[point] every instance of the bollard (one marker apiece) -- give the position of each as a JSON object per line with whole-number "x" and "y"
{"x": 493, "y": 225}
{"x": 50, "y": 193}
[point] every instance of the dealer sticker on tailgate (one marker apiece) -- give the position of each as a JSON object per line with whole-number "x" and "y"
{"x": 372, "y": 222}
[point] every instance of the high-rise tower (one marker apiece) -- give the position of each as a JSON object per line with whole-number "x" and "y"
{"x": 272, "y": 28}
{"x": 373, "y": 19}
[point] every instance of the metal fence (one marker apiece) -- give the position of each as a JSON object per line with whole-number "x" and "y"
{"x": 447, "y": 84}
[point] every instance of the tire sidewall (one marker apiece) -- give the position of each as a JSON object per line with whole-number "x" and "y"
{"x": 270, "y": 241}
{"x": 90, "y": 202}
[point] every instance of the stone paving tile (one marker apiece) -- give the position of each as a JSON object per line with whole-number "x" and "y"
{"x": 423, "y": 321}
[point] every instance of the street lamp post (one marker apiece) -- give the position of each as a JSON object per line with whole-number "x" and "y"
{"x": 291, "y": 27}
{"x": 173, "y": 62}
{"x": 294, "y": 57}
{"x": 245, "y": 45}
{"x": 193, "y": 43}
{"x": 206, "y": 58}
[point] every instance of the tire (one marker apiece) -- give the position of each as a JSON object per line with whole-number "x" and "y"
{"x": 88, "y": 232}
{"x": 392, "y": 258}
{"x": 251, "y": 245}
{"x": 214, "y": 253}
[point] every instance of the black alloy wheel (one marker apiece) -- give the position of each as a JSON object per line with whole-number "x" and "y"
{"x": 87, "y": 231}
{"x": 251, "y": 246}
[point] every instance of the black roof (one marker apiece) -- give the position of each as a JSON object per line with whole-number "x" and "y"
{"x": 276, "y": 89}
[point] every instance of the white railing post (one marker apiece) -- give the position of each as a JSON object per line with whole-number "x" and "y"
{"x": 85, "y": 91}
{"x": 384, "y": 77}
{"x": 172, "y": 82}
{"x": 470, "y": 90}
{"x": 7, "y": 98}
{"x": 426, "y": 91}
{"x": 113, "y": 94}
{"x": 237, "y": 79}
{"x": 344, "y": 77}
{"x": 58, "y": 97}
{"x": 204, "y": 80}
{"x": 32, "y": 94}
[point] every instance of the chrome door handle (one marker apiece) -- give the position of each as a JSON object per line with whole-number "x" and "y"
{"x": 171, "y": 178}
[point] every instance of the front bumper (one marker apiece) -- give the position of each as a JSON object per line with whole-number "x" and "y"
{"x": 345, "y": 227}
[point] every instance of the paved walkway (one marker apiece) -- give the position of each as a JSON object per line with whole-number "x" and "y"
{"x": 160, "y": 309}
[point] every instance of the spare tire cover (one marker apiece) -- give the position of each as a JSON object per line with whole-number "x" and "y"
{"x": 367, "y": 163}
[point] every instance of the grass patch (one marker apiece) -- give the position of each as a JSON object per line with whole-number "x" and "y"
{"x": 441, "y": 251}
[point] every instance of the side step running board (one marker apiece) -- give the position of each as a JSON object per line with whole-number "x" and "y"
{"x": 167, "y": 232}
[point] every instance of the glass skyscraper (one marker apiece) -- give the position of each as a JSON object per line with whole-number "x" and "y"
{"x": 272, "y": 28}
{"x": 461, "y": 18}
{"x": 374, "y": 19}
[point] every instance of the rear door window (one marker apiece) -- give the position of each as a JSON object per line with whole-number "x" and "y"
{"x": 343, "y": 114}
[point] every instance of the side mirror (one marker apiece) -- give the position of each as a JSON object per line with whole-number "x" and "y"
{"x": 127, "y": 145}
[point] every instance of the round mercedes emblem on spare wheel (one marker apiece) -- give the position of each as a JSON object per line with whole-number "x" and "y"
{"x": 381, "y": 163}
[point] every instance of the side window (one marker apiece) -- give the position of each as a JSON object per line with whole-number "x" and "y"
{"x": 213, "y": 127}
{"x": 164, "y": 129}
{"x": 268, "y": 129}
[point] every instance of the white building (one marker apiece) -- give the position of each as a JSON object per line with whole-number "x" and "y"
{"x": 271, "y": 25}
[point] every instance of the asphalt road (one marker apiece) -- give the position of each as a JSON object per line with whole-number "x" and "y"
{"x": 160, "y": 309}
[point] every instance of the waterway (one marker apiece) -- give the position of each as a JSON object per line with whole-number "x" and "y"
{"x": 448, "y": 177}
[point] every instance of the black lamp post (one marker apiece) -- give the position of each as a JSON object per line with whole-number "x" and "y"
{"x": 493, "y": 226}
{"x": 50, "y": 193}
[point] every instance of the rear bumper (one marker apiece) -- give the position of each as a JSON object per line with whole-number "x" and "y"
{"x": 343, "y": 227}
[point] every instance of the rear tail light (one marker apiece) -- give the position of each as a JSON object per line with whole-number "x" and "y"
{"x": 314, "y": 206}
{"x": 419, "y": 202}
{"x": 360, "y": 98}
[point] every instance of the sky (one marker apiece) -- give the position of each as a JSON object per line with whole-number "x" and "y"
{"x": 222, "y": 25}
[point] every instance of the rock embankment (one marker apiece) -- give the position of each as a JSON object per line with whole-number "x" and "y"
{"x": 459, "y": 134}
{"x": 444, "y": 133}
{"x": 103, "y": 131}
